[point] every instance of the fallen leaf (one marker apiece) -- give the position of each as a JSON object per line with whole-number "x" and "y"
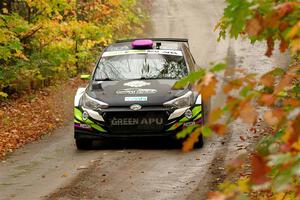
{"x": 242, "y": 138}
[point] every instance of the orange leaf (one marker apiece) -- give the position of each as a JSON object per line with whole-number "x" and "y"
{"x": 259, "y": 170}
{"x": 215, "y": 115}
{"x": 271, "y": 20}
{"x": 283, "y": 25}
{"x": 207, "y": 88}
{"x": 284, "y": 82}
{"x": 285, "y": 9}
{"x": 216, "y": 196}
{"x": 270, "y": 44}
{"x": 235, "y": 84}
{"x": 274, "y": 117}
{"x": 294, "y": 31}
{"x": 236, "y": 163}
{"x": 248, "y": 113}
{"x": 291, "y": 102}
{"x": 188, "y": 145}
{"x": 219, "y": 129}
{"x": 291, "y": 135}
{"x": 253, "y": 27}
{"x": 267, "y": 99}
{"x": 283, "y": 46}
{"x": 267, "y": 80}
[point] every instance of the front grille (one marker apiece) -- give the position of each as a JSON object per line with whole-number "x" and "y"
{"x": 136, "y": 122}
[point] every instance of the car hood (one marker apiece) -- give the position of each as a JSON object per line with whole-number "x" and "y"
{"x": 142, "y": 92}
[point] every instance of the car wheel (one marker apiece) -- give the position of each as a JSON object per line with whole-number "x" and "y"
{"x": 83, "y": 144}
{"x": 206, "y": 111}
{"x": 200, "y": 142}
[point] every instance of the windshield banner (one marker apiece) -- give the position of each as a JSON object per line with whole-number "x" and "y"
{"x": 146, "y": 51}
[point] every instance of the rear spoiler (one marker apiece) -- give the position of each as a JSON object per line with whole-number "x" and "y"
{"x": 184, "y": 40}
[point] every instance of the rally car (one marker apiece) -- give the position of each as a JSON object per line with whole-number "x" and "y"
{"x": 131, "y": 93}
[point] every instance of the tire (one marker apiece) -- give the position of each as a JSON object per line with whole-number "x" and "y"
{"x": 200, "y": 143}
{"x": 83, "y": 144}
{"x": 206, "y": 111}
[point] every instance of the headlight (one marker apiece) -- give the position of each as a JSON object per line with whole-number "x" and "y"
{"x": 181, "y": 102}
{"x": 91, "y": 103}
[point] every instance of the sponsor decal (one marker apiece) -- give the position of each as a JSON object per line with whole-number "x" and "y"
{"x": 136, "y": 121}
{"x": 147, "y": 51}
{"x": 137, "y": 84}
{"x": 135, "y": 91}
{"x": 136, "y": 98}
{"x": 135, "y": 107}
{"x": 189, "y": 124}
{"x": 83, "y": 126}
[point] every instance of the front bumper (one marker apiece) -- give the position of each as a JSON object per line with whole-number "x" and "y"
{"x": 97, "y": 127}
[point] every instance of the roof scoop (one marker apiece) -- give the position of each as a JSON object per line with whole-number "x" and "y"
{"x": 142, "y": 44}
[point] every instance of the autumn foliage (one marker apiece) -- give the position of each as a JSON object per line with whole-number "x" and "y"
{"x": 274, "y": 96}
{"x": 45, "y": 40}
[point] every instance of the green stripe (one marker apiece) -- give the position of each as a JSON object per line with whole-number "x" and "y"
{"x": 98, "y": 128}
{"x": 196, "y": 113}
{"x": 78, "y": 114}
{"x": 78, "y": 118}
{"x": 196, "y": 110}
{"x": 198, "y": 117}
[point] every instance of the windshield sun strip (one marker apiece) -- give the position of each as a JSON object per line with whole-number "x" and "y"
{"x": 148, "y": 51}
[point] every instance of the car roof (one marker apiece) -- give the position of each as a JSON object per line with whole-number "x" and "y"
{"x": 165, "y": 44}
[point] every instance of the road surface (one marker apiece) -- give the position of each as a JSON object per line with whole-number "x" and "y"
{"x": 53, "y": 169}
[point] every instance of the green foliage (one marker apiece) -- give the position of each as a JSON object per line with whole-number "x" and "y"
{"x": 264, "y": 20}
{"x": 50, "y": 39}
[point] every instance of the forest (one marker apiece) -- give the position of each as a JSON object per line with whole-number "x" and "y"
{"x": 45, "y": 40}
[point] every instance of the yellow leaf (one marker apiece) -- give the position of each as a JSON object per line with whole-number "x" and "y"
{"x": 3, "y": 94}
{"x": 295, "y": 45}
{"x": 243, "y": 184}
{"x": 294, "y": 30}
{"x": 296, "y": 145}
{"x": 5, "y": 11}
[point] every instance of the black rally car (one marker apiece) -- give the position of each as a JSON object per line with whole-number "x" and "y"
{"x": 130, "y": 93}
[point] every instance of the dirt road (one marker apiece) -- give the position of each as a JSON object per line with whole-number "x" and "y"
{"x": 53, "y": 169}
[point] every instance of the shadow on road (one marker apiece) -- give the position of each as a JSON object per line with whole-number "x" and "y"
{"x": 149, "y": 143}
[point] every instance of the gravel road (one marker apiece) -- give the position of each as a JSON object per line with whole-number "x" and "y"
{"x": 52, "y": 168}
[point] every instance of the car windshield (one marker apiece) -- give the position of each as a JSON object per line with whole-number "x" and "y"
{"x": 141, "y": 66}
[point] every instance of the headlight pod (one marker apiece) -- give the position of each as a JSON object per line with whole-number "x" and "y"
{"x": 91, "y": 103}
{"x": 181, "y": 102}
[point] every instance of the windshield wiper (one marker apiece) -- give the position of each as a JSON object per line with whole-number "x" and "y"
{"x": 104, "y": 79}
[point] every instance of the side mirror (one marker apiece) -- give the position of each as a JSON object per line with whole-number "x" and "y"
{"x": 86, "y": 77}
